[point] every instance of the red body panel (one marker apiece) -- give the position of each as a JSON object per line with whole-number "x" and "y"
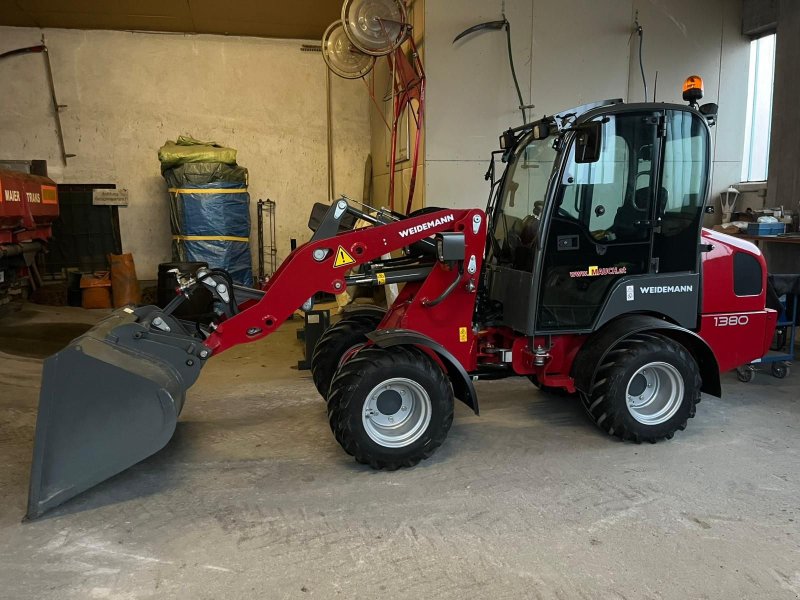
{"x": 739, "y": 338}
{"x": 738, "y": 329}
{"x": 28, "y": 207}
{"x": 718, "y": 296}
{"x": 450, "y": 322}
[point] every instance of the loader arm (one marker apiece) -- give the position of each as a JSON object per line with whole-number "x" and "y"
{"x": 320, "y": 266}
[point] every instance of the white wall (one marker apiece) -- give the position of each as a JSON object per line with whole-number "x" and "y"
{"x": 567, "y": 53}
{"x": 129, "y": 92}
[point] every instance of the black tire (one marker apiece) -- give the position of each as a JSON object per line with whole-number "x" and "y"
{"x": 352, "y": 387}
{"x": 607, "y": 405}
{"x": 745, "y": 374}
{"x": 779, "y": 370}
{"x": 335, "y": 342}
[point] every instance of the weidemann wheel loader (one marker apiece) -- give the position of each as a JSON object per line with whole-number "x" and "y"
{"x": 589, "y": 272}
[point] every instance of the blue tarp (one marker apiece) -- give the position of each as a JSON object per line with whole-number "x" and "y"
{"x": 211, "y": 223}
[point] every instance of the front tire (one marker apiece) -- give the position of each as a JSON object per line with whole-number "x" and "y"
{"x": 390, "y": 407}
{"x": 336, "y": 344}
{"x": 646, "y": 390}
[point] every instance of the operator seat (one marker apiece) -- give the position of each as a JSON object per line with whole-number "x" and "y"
{"x": 629, "y": 214}
{"x": 524, "y": 253}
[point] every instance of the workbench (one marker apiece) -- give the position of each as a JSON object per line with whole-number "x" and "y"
{"x": 770, "y": 238}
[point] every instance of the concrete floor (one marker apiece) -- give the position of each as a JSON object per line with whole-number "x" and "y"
{"x": 254, "y": 499}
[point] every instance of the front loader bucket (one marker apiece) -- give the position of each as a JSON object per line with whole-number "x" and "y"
{"x": 108, "y": 400}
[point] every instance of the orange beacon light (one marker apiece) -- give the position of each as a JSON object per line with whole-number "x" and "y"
{"x": 693, "y": 89}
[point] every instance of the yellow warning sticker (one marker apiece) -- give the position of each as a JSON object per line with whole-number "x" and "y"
{"x": 462, "y": 334}
{"x": 343, "y": 258}
{"x": 381, "y": 278}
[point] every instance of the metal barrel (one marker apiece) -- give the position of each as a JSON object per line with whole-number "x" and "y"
{"x": 108, "y": 400}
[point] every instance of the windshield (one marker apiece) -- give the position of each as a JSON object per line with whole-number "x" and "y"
{"x": 522, "y": 203}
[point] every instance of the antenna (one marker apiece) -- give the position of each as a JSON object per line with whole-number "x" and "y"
{"x": 655, "y": 87}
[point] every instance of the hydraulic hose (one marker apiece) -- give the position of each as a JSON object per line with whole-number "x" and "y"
{"x": 446, "y": 293}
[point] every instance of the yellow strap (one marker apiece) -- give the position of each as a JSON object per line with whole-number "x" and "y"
{"x": 206, "y": 191}
{"x": 216, "y": 238}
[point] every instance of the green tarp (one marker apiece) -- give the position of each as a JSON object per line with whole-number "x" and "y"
{"x": 189, "y": 150}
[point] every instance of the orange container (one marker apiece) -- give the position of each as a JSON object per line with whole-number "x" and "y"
{"x": 124, "y": 284}
{"x": 96, "y": 290}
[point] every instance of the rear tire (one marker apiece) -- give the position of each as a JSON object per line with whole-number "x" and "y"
{"x": 390, "y": 407}
{"x": 646, "y": 390}
{"x": 336, "y": 343}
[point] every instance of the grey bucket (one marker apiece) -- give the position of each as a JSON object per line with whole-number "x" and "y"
{"x": 108, "y": 400}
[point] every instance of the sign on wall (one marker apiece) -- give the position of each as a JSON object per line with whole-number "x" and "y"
{"x": 110, "y": 197}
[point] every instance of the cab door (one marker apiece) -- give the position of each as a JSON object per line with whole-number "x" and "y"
{"x": 683, "y": 192}
{"x": 601, "y": 222}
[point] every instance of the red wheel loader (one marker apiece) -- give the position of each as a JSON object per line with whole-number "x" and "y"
{"x": 588, "y": 272}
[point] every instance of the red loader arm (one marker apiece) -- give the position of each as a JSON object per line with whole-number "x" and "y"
{"x": 321, "y": 264}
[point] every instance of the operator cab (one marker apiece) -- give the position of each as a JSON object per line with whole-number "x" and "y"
{"x": 591, "y": 199}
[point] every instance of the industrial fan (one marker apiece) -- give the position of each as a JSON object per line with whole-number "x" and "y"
{"x": 370, "y": 29}
{"x": 341, "y": 56}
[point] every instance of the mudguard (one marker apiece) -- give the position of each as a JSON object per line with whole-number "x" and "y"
{"x": 463, "y": 388}
{"x": 592, "y": 353}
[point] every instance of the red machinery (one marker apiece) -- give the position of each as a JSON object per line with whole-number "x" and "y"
{"x": 28, "y": 207}
{"x": 589, "y": 271}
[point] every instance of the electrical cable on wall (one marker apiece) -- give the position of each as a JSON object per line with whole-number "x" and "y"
{"x": 639, "y": 30}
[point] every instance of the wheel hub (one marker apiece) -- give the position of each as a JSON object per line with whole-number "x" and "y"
{"x": 389, "y": 402}
{"x": 654, "y": 393}
{"x": 396, "y": 412}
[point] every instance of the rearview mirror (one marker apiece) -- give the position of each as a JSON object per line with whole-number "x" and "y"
{"x": 709, "y": 111}
{"x": 588, "y": 142}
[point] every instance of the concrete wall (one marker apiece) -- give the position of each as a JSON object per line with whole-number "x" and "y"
{"x": 784, "y": 170}
{"x": 127, "y": 93}
{"x": 568, "y": 53}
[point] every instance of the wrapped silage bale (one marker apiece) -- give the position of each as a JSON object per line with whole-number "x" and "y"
{"x": 209, "y": 208}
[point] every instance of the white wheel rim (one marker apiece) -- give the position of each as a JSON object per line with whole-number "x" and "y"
{"x": 396, "y": 412}
{"x": 654, "y": 393}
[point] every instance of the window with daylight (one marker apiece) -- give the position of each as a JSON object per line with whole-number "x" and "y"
{"x": 759, "y": 109}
